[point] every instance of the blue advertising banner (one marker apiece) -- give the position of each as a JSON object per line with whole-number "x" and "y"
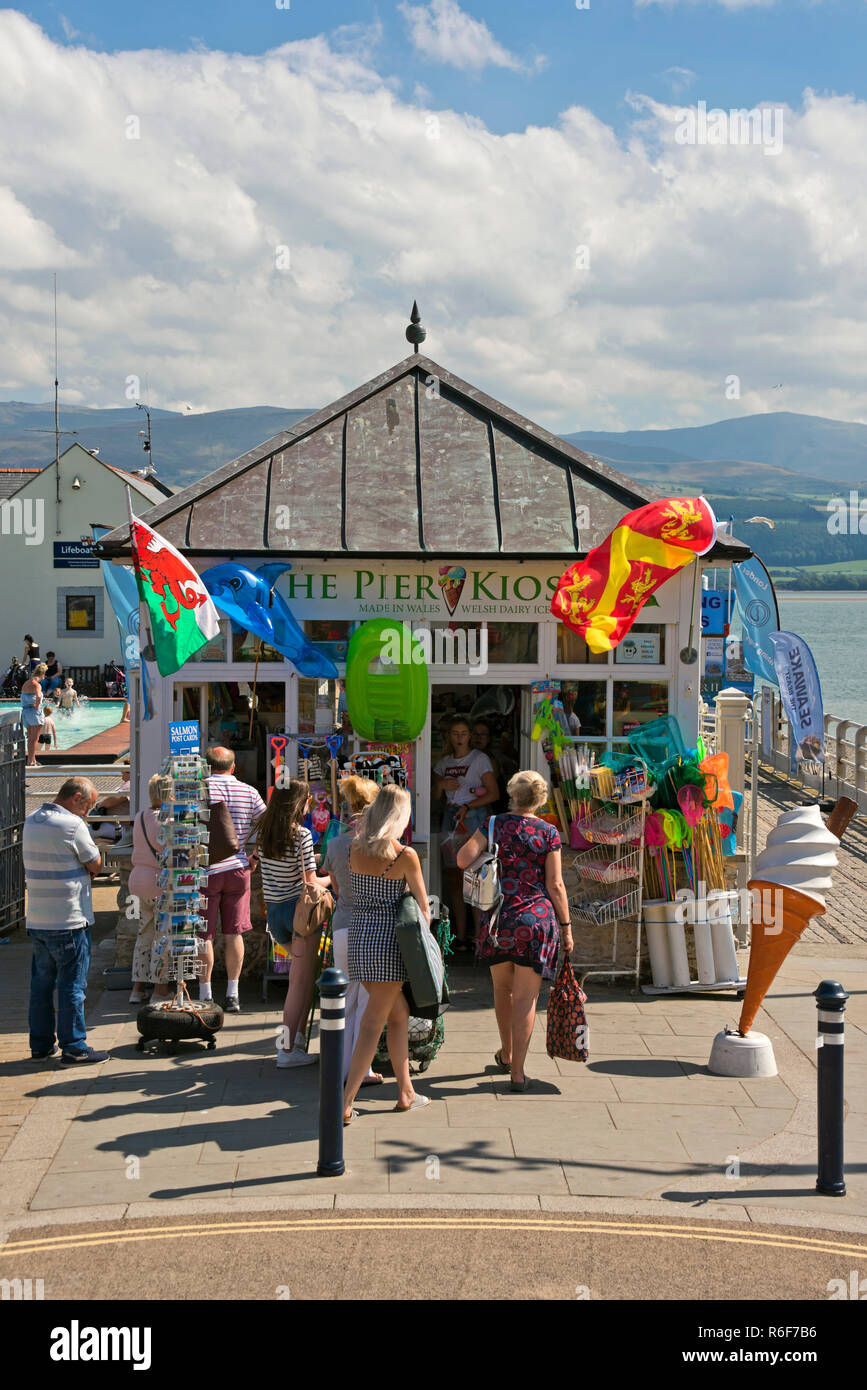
{"x": 122, "y": 593}
{"x": 757, "y": 605}
{"x": 715, "y": 605}
{"x": 801, "y": 694}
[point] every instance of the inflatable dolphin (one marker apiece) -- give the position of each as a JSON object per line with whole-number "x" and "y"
{"x": 246, "y": 596}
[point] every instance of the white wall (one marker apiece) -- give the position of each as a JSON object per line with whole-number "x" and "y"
{"x": 31, "y": 588}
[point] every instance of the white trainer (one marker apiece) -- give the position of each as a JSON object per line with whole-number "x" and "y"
{"x": 295, "y": 1057}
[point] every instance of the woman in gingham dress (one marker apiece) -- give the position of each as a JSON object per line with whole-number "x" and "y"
{"x": 381, "y": 871}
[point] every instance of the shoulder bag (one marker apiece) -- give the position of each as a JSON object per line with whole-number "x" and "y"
{"x": 482, "y": 885}
{"x": 312, "y": 910}
{"x": 223, "y": 842}
{"x": 420, "y": 953}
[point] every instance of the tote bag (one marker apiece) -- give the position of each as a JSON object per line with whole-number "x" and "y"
{"x": 420, "y": 953}
{"x": 568, "y": 1035}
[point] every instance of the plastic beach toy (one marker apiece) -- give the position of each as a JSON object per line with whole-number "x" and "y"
{"x": 389, "y": 702}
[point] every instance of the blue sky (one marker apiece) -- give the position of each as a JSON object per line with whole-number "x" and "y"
{"x": 739, "y": 56}
{"x": 242, "y": 201}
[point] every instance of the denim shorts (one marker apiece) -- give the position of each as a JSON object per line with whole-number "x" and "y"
{"x": 280, "y": 917}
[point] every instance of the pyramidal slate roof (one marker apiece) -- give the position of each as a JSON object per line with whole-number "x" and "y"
{"x": 415, "y": 462}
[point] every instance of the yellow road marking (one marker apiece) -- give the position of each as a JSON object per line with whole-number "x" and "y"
{"x": 717, "y": 1234}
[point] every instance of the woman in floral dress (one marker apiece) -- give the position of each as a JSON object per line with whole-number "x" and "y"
{"x": 533, "y": 922}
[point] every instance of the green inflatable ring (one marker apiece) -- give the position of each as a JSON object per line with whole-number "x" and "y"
{"x": 390, "y": 704}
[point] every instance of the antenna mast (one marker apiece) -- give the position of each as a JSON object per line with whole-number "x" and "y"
{"x": 56, "y": 415}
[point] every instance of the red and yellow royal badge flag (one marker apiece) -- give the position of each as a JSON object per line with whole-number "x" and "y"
{"x": 601, "y": 597}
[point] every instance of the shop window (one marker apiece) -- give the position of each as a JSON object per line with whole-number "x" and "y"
{"x": 643, "y": 645}
{"x": 245, "y": 646}
{"x": 330, "y": 636}
{"x": 513, "y": 644}
{"x": 586, "y": 703}
{"x": 572, "y": 650}
{"x": 217, "y": 649}
{"x": 637, "y": 702}
{"x": 509, "y": 644}
{"x": 81, "y": 612}
{"x": 322, "y": 706}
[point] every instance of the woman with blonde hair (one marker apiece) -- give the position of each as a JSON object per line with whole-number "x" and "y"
{"x": 381, "y": 870}
{"x": 533, "y": 922}
{"x": 150, "y": 960}
{"x": 357, "y": 793}
{"x": 32, "y": 715}
{"x": 284, "y": 848}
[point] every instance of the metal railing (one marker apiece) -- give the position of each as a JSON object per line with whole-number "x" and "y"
{"x": 844, "y": 772}
{"x": 13, "y": 751}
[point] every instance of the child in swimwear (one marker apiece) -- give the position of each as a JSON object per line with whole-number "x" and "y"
{"x": 68, "y": 695}
{"x": 48, "y": 729}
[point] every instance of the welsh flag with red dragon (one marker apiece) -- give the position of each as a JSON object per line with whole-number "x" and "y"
{"x": 601, "y": 597}
{"x": 182, "y": 615}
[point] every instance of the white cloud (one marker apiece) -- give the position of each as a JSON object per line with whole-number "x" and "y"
{"x": 26, "y": 242}
{"x": 443, "y": 32}
{"x": 704, "y": 261}
{"x": 679, "y": 79}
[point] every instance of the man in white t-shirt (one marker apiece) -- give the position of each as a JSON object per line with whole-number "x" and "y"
{"x": 467, "y": 780}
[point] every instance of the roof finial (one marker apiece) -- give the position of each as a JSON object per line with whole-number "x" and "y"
{"x": 415, "y": 334}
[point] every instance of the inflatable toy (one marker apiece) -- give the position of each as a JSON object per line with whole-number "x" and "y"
{"x": 391, "y": 702}
{"x": 254, "y": 605}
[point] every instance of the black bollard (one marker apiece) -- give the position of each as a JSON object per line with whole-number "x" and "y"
{"x": 831, "y": 1002}
{"x": 332, "y": 1023}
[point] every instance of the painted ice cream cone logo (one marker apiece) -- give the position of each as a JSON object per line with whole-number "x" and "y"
{"x": 451, "y": 580}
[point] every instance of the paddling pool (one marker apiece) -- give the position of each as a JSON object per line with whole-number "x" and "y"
{"x": 81, "y": 724}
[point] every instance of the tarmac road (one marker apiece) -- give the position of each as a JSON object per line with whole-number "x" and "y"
{"x": 431, "y": 1255}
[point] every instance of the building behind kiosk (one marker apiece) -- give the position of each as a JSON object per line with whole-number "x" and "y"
{"x": 419, "y": 498}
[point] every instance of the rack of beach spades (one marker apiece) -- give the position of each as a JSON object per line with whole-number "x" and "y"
{"x": 648, "y": 831}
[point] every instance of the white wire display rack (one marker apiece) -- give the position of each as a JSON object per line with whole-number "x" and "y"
{"x": 604, "y": 884}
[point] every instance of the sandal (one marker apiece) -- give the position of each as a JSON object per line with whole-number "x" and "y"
{"x": 375, "y": 1080}
{"x": 503, "y": 1066}
{"x": 418, "y": 1104}
{"x": 520, "y": 1086}
{"x": 353, "y": 1115}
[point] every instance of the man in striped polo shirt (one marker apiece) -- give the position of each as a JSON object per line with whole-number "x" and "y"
{"x": 228, "y": 890}
{"x": 60, "y": 859}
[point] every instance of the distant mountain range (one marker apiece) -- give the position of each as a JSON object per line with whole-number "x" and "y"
{"x": 777, "y": 455}
{"x": 185, "y": 447}
{"x": 761, "y": 452}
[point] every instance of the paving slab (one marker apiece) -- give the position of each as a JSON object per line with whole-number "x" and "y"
{"x": 455, "y": 1175}
{"x": 552, "y": 1141}
{"x": 97, "y": 1186}
{"x": 688, "y": 1090}
{"x": 617, "y": 1179}
{"x": 262, "y": 1179}
{"x": 634, "y": 1115}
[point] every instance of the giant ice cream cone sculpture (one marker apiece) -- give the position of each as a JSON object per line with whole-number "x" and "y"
{"x": 791, "y": 876}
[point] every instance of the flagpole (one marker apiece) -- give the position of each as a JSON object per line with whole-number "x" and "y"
{"x": 143, "y": 617}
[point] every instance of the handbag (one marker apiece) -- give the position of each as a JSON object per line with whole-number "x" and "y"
{"x": 223, "y": 842}
{"x": 312, "y": 910}
{"x": 568, "y": 1035}
{"x": 419, "y": 951}
{"x": 482, "y": 879}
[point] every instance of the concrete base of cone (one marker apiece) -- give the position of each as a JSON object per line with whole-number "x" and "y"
{"x": 734, "y": 1055}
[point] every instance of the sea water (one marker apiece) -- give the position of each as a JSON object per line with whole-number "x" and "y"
{"x": 834, "y": 626}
